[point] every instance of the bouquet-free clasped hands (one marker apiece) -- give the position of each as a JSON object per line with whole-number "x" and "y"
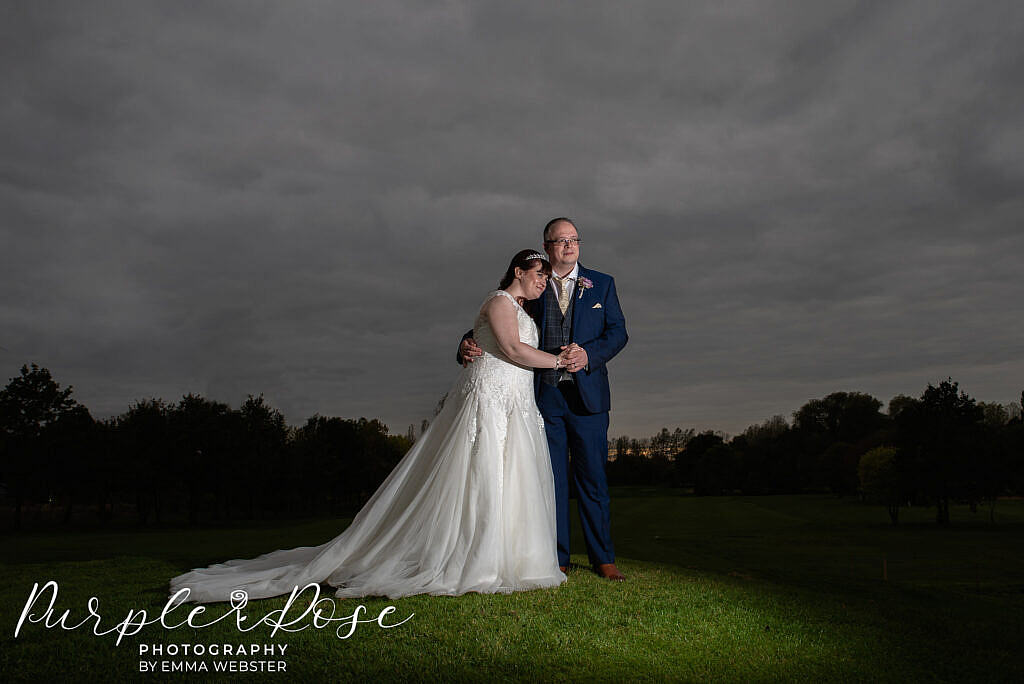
{"x": 572, "y": 358}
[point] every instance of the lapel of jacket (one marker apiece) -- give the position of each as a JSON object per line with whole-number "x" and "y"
{"x": 576, "y": 306}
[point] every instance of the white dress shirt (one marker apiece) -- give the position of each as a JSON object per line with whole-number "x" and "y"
{"x": 573, "y": 275}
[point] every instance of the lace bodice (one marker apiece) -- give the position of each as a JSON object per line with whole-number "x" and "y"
{"x": 484, "y": 334}
{"x": 497, "y": 382}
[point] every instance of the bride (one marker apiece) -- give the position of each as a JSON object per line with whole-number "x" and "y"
{"x": 469, "y": 508}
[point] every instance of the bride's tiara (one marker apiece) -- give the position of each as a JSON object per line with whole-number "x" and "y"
{"x": 536, "y": 255}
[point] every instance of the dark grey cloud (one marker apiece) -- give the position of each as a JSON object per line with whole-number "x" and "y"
{"x": 310, "y": 199}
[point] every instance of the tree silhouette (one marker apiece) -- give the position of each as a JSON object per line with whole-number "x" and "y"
{"x": 882, "y": 479}
{"x": 942, "y": 432}
{"x": 146, "y": 454}
{"x": 688, "y": 461}
{"x": 202, "y": 434}
{"x": 203, "y": 458}
{"x": 837, "y": 467}
{"x": 262, "y": 452}
{"x": 900, "y": 402}
{"x": 350, "y": 458}
{"x": 840, "y": 416}
{"x": 72, "y": 458}
{"x": 29, "y": 405}
{"x": 718, "y": 471}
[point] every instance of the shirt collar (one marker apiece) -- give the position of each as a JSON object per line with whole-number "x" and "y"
{"x": 574, "y": 273}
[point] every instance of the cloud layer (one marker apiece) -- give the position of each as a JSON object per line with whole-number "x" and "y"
{"x": 309, "y": 200}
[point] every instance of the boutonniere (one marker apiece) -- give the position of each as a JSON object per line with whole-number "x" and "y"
{"x": 585, "y": 284}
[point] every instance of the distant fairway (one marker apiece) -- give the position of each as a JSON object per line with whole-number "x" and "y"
{"x": 729, "y": 588}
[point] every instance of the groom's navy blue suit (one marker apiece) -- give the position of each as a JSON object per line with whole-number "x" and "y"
{"x": 576, "y": 413}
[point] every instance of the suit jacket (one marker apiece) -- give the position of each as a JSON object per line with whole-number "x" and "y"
{"x": 598, "y": 326}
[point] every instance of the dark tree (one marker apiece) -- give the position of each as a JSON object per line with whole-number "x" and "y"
{"x": 631, "y": 465}
{"x": 74, "y": 460}
{"x": 765, "y": 452}
{"x": 30, "y": 405}
{"x": 882, "y": 479}
{"x": 900, "y": 402}
{"x": 203, "y": 436}
{"x": 147, "y": 455}
{"x": 848, "y": 418}
{"x": 994, "y": 415}
{"x": 718, "y": 471}
{"x": 687, "y": 460}
{"x": 841, "y": 416}
{"x": 338, "y": 463}
{"x": 837, "y": 467}
{"x": 942, "y": 433}
{"x": 622, "y": 466}
{"x": 265, "y": 439}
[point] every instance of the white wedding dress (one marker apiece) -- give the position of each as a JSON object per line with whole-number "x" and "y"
{"x": 470, "y": 507}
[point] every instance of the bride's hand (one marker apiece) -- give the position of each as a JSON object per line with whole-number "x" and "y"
{"x": 574, "y": 357}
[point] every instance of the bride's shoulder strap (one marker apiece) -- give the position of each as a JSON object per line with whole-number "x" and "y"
{"x": 493, "y": 294}
{"x": 497, "y": 293}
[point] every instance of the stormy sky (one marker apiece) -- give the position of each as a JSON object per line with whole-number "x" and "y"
{"x": 310, "y": 199}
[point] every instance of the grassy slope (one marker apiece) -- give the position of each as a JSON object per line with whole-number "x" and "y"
{"x": 720, "y": 588}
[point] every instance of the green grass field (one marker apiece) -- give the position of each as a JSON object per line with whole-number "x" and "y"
{"x": 724, "y": 588}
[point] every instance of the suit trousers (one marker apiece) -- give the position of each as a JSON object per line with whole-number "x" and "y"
{"x": 572, "y": 430}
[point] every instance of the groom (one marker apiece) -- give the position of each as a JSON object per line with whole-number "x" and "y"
{"x": 580, "y": 310}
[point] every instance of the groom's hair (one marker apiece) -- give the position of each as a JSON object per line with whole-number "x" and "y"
{"x": 553, "y": 221}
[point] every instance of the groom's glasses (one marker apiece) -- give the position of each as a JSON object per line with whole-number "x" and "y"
{"x": 565, "y": 242}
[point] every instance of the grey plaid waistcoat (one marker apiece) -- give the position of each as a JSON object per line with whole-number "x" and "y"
{"x": 557, "y": 331}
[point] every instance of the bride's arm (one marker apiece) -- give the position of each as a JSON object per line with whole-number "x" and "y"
{"x": 501, "y": 313}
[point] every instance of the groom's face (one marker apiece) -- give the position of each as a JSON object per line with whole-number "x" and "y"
{"x": 563, "y": 256}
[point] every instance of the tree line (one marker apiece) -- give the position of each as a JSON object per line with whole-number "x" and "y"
{"x": 196, "y": 460}
{"x": 199, "y": 460}
{"x": 930, "y": 450}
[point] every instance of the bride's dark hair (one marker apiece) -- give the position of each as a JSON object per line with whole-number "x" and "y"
{"x": 522, "y": 261}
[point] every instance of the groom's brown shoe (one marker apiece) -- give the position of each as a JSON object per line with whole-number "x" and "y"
{"x": 564, "y": 568}
{"x": 609, "y": 571}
